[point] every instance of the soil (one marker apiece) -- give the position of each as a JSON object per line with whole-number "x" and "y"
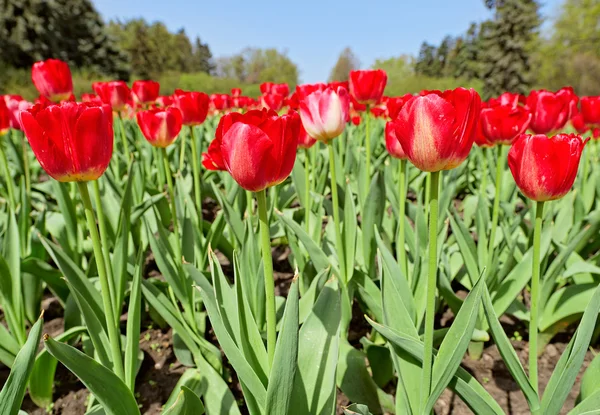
{"x": 160, "y": 369}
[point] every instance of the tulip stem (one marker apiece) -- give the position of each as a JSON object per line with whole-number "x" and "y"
{"x": 26, "y": 165}
{"x": 124, "y": 138}
{"x": 535, "y": 288}
{"x": 307, "y": 190}
{"x": 161, "y": 171}
{"x": 182, "y": 153}
{"x": 496, "y": 208}
{"x": 336, "y": 215}
{"x": 111, "y": 322}
{"x": 249, "y": 203}
{"x": 431, "y": 288}
{"x": 173, "y": 203}
{"x": 367, "y": 149}
{"x": 265, "y": 239}
{"x": 484, "y": 170}
{"x": 400, "y": 246}
{"x": 196, "y": 174}
{"x": 105, "y": 247}
{"x": 9, "y": 183}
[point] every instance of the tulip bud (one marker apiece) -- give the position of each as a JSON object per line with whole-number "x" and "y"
{"x": 145, "y": 92}
{"x": 114, "y": 93}
{"x": 590, "y": 110}
{"x": 4, "y": 118}
{"x": 391, "y": 141}
{"x": 73, "y": 142}
{"x": 53, "y": 80}
{"x": 193, "y": 106}
{"x": 545, "y": 168}
{"x": 324, "y": 113}
{"x": 550, "y": 111}
{"x": 160, "y": 126}
{"x": 367, "y": 86}
{"x": 503, "y": 123}
{"x": 437, "y": 130}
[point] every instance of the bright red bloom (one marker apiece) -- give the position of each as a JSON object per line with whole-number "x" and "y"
{"x": 145, "y": 92}
{"x": 271, "y": 88}
{"x": 503, "y": 123}
{"x": 114, "y": 93}
{"x": 336, "y": 84}
{"x": 193, "y": 106}
{"x": 16, "y": 104}
{"x": 325, "y": 113}
{"x": 164, "y": 101}
{"x": 93, "y": 98}
{"x": 4, "y": 118}
{"x": 507, "y": 98}
{"x": 257, "y": 148}
{"x": 367, "y": 86}
{"x": 391, "y": 141}
{"x": 550, "y": 111}
{"x": 292, "y": 102}
{"x": 73, "y": 142}
{"x": 357, "y": 106}
{"x": 220, "y": 101}
{"x": 437, "y": 131}
{"x": 272, "y": 101}
{"x": 578, "y": 123}
{"x": 305, "y": 90}
{"x": 395, "y": 104}
{"x": 590, "y": 110}
{"x": 53, "y": 79}
{"x": 236, "y": 92}
{"x": 304, "y": 140}
{"x": 544, "y": 167}
{"x": 160, "y": 126}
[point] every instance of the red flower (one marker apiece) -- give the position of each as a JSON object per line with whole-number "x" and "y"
{"x": 193, "y": 106}
{"x": 236, "y": 92}
{"x": 336, "y": 84}
{"x": 160, "y": 126}
{"x": 395, "y": 104}
{"x": 164, "y": 101}
{"x": 271, "y": 88}
{"x": 503, "y": 123}
{"x": 325, "y": 113}
{"x": 305, "y": 90}
{"x": 391, "y": 141}
{"x": 304, "y": 140}
{"x": 16, "y": 104}
{"x": 544, "y": 167}
{"x": 578, "y": 123}
{"x": 93, "y": 98}
{"x": 272, "y": 101}
{"x": 145, "y": 92}
{"x": 356, "y": 106}
{"x": 73, "y": 142}
{"x": 258, "y": 148}
{"x": 53, "y": 80}
{"x": 437, "y": 131}
{"x": 550, "y": 111}
{"x": 590, "y": 110}
{"x": 114, "y": 93}
{"x": 4, "y": 118}
{"x": 220, "y": 101}
{"x": 367, "y": 86}
{"x": 507, "y": 98}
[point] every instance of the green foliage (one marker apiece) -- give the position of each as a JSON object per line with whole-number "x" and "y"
{"x": 346, "y": 62}
{"x": 71, "y": 30}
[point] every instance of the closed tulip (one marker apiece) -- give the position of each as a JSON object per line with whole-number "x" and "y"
{"x": 590, "y": 110}
{"x": 236, "y": 92}
{"x": 325, "y": 113}
{"x": 391, "y": 141}
{"x": 16, "y": 104}
{"x": 272, "y": 88}
{"x": 543, "y": 167}
{"x": 145, "y": 92}
{"x": 53, "y": 79}
{"x": 193, "y": 106}
{"x": 437, "y": 131}
{"x": 220, "y": 102}
{"x": 503, "y": 123}
{"x": 272, "y": 101}
{"x": 367, "y": 86}
{"x": 550, "y": 111}
{"x": 114, "y": 93}
{"x": 164, "y": 101}
{"x": 578, "y": 123}
{"x": 93, "y": 98}
{"x": 395, "y": 104}
{"x": 304, "y": 140}
{"x": 4, "y": 118}
{"x": 257, "y": 148}
{"x": 305, "y": 90}
{"x": 160, "y": 126}
{"x": 72, "y": 141}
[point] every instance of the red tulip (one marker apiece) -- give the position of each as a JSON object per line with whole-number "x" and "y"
{"x": 503, "y": 123}
{"x": 114, "y": 93}
{"x": 325, "y": 113}
{"x": 437, "y": 131}
{"x": 220, "y": 101}
{"x": 480, "y": 138}
{"x": 53, "y": 80}
{"x": 391, "y": 141}
{"x": 395, "y": 104}
{"x": 160, "y": 126}
{"x": 272, "y": 101}
{"x": 145, "y": 92}
{"x": 193, "y": 106}
{"x": 16, "y": 104}
{"x": 4, "y": 118}
{"x": 257, "y": 148}
{"x": 164, "y": 101}
{"x": 73, "y": 142}
{"x": 355, "y": 119}
{"x": 307, "y": 89}
{"x": 271, "y": 88}
{"x": 236, "y": 92}
{"x": 550, "y": 111}
{"x": 544, "y": 167}
{"x": 357, "y": 106}
{"x": 336, "y": 84}
{"x": 367, "y": 86}
{"x": 304, "y": 140}
{"x": 578, "y": 123}
{"x": 93, "y": 98}
{"x": 507, "y": 98}
{"x": 590, "y": 110}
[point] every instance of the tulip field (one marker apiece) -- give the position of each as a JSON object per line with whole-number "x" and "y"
{"x": 322, "y": 250}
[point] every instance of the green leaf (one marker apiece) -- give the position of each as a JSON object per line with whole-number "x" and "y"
{"x": 371, "y": 218}
{"x": 187, "y": 403}
{"x": 12, "y": 254}
{"x": 111, "y": 392}
{"x": 356, "y": 409}
{"x": 50, "y": 275}
{"x": 232, "y": 215}
{"x": 67, "y": 209}
{"x": 509, "y": 356}
{"x": 349, "y": 230}
{"x": 588, "y": 406}
{"x": 314, "y": 383}
{"x": 589, "y": 380}
{"x": 318, "y": 257}
{"x": 134, "y": 313}
{"x": 570, "y": 362}
{"x": 466, "y": 245}
{"x": 285, "y": 362}
{"x": 13, "y": 390}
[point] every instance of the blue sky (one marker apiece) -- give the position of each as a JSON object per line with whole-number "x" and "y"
{"x": 313, "y": 32}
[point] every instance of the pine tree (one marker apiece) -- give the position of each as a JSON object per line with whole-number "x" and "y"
{"x": 202, "y": 58}
{"x": 426, "y": 61}
{"x": 346, "y": 62}
{"x": 505, "y": 46}
{"x": 468, "y": 56}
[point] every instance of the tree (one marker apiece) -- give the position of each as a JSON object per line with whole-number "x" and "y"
{"x": 71, "y": 30}
{"x": 346, "y": 62}
{"x": 202, "y": 58}
{"x": 259, "y": 65}
{"x": 468, "y": 55}
{"x": 426, "y": 61}
{"x": 506, "y": 43}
